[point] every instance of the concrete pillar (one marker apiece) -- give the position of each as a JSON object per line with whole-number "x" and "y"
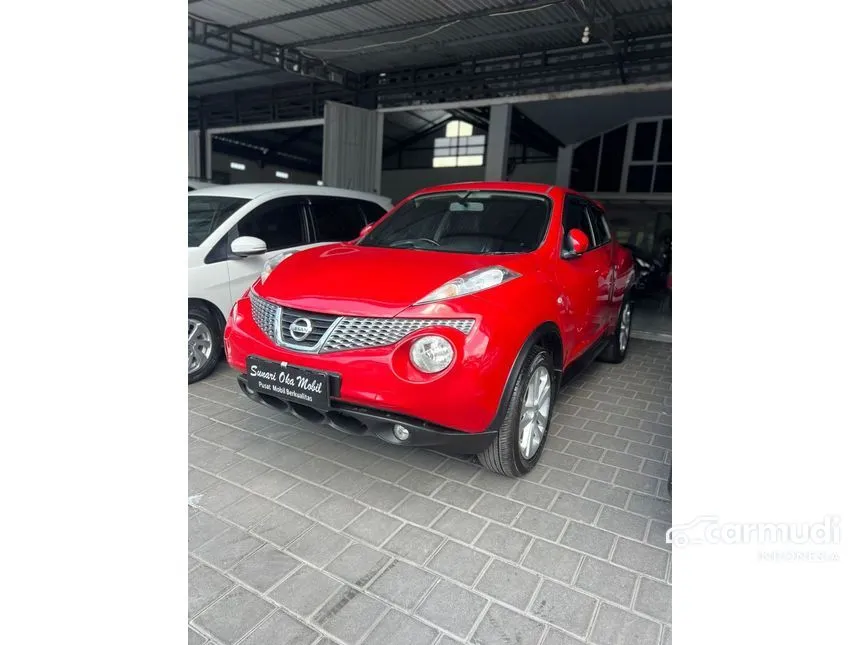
{"x": 498, "y": 138}
{"x": 563, "y": 165}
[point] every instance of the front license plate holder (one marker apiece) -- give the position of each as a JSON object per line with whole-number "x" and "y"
{"x": 289, "y": 382}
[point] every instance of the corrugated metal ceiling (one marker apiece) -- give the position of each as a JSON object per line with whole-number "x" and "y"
{"x": 331, "y": 35}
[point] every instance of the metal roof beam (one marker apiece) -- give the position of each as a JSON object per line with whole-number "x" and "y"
{"x": 211, "y": 61}
{"x": 255, "y": 49}
{"x": 295, "y": 15}
{"x": 431, "y": 22}
{"x": 231, "y": 77}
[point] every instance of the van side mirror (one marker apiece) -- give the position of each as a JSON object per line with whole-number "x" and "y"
{"x": 246, "y": 245}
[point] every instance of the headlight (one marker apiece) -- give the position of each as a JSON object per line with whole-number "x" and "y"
{"x": 271, "y": 263}
{"x": 431, "y": 354}
{"x": 470, "y": 282}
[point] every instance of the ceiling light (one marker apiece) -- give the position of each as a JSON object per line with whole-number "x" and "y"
{"x": 280, "y": 174}
{"x": 235, "y": 165}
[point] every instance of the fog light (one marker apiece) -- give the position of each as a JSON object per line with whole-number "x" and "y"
{"x": 401, "y": 432}
{"x": 431, "y": 354}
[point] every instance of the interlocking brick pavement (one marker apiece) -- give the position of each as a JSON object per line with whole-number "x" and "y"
{"x": 302, "y": 535}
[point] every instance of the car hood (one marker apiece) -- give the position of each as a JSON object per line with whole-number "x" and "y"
{"x": 352, "y": 280}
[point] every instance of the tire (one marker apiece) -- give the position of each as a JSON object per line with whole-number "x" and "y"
{"x": 204, "y": 326}
{"x": 619, "y": 342}
{"x": 504, "y": 455}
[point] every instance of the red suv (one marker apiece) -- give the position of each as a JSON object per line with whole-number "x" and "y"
{"x": 448, "y": 323}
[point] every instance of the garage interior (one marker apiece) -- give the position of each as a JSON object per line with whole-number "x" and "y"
{"x": 298, "y": 533}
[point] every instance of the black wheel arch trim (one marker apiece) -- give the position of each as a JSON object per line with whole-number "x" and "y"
{"x": 543, "y": 330}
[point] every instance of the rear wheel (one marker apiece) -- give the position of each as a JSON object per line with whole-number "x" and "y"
{"x": 620, "y": 339}
{"x": 204, "y": 343}
{"x": 522, "y": 435}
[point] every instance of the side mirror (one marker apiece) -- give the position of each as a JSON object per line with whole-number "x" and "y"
{"x": 365, "y": 230}
{"x": 246, "y": 245}
{"x": 575, "y": 242}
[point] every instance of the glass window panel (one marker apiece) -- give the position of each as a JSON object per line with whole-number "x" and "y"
{"x": 444, "y": 162}
{"x": 643, "y": 143}
{"x": 612, "y": 160}
{"x": 470, "y": 160}
{"x": 665, "y": 152}
{"x": 663, "y": 179}
{"x": 639, "y": 179}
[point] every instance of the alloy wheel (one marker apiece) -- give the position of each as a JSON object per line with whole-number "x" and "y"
{"x": 199, "y": 345}
{"x": 534, "y": 415}
{"x": 624, "y": 330}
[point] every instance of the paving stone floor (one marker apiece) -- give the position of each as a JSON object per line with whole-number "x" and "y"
{"x": 298, "y": 534}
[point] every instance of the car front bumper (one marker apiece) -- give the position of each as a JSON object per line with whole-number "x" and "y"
{"x": 356, "y": 420}
{"x": 455, "y": 408}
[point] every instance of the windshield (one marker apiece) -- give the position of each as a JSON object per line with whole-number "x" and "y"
{"x": 478, "y": 222}
{"x": 206, "y": 213}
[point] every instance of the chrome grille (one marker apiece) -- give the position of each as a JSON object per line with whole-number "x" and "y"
{"x": 266, "y": 315}
{"x": 334, "y": 333}
{"x": 320, "y": 324}
{"x": 359, "y": 333}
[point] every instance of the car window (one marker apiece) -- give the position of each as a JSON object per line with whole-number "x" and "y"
{"x": 372, "y": 211}
{"x": 601, "y": 229}
{"x": 576, "y": 216}
{"x": 206, "y": 214}
{"x": 279, "y": 223}
{"x": 479, "y": 222}
{"x": 337, "y": 218}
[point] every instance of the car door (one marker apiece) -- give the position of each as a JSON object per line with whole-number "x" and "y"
{"x": 603, "y": 255}
{"x": 336, "y": 219}
{"x": 579, "y": 279}
{"x": 281, "y": 223}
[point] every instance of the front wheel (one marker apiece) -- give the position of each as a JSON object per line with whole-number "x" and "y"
{"x": 619, "y": 341}
{"x": 204, "y": 343}
{"x": 522, "y": 435}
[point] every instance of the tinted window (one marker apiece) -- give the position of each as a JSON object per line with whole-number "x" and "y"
{"x": 639, "y": 178}
{"x": 665, "y": 152}
{"x": 644, "y": 140}
{"x": 478, "y": 222}
{"x": 372, "y": 211}
{"x": 205, "y": 214}
{"x": 612, "y": 160}
{"x": 336, "y": 218}
{"x": 576, "y": 216}
{"x": 279, "y": 223}
{"x": 601, "y": 230}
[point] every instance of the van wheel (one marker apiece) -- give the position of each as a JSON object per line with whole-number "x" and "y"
{"x": 204, "y": 343}
{"x": 522, "y": 435}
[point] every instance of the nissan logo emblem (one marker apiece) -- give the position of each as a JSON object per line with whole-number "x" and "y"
{"x": 300, "y": 329}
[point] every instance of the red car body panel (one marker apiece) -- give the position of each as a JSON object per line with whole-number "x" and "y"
{"x": 580, "y": 297}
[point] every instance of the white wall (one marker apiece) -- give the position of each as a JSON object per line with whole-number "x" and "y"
{"x": 253, "y": 173}
{"x": 397, "y": 184}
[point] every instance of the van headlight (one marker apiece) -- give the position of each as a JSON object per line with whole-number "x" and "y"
{"x": 431, "y": 354}
{"x": 271, "y": 263}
